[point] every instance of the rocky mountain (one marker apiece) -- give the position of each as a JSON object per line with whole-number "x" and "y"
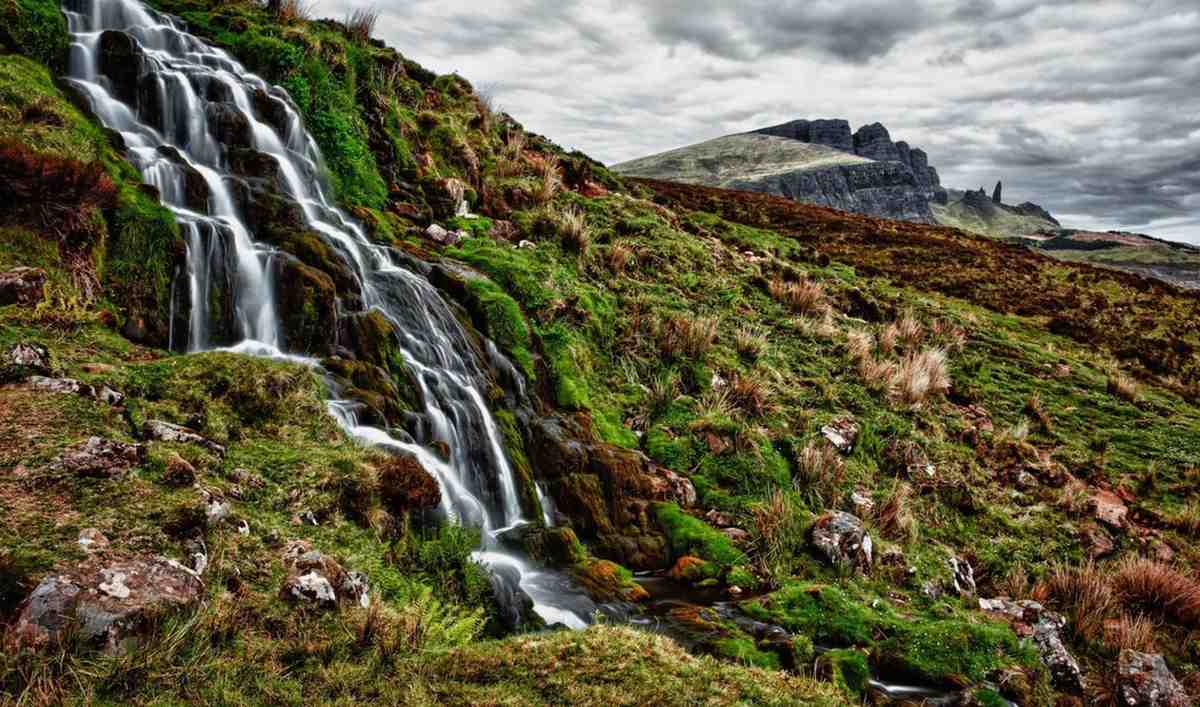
{"x": 320, "y": 378}
{"x": 816, "y": 162}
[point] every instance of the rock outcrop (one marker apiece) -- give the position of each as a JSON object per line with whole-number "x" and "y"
{"x": 814, "y": 161}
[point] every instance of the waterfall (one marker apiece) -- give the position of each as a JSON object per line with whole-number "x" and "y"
{"x": 163, "y": 106}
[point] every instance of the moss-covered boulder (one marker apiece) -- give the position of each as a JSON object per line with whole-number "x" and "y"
{"x": 307, "y": 306}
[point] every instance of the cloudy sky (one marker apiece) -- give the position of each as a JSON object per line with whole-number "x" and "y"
{"x": 1089, "y": 107}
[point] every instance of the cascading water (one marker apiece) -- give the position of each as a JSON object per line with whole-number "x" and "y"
{"x": 162, "y": 106}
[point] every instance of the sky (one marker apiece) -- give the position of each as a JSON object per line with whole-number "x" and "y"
{"x": 1090, "y": 108}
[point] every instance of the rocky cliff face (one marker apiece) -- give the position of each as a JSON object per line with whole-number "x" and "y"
{"x": 875, "y": 188}
{"x": 813, "y": 161}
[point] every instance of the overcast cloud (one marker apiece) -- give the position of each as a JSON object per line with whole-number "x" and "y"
{"x": 1089, "y": 107}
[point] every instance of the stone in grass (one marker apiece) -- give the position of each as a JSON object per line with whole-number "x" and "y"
{"x": 1145, "y": 681}
{"x": 319, "y": 580}
{"x": 100, "y": 458}
{"x": 22, "y": 287}
{"x": 1064, "y": 669}
{"x": 168, "y": 432}
{"x": 843, "y": 539}
{"x": 24, "y": 360}
{"x": 179, "y": 472}
{"x": 104, "y": 604}
{"x": 963, "y": 577}
{"x": 92, "y": 540}
{"x": 841, "y": 433}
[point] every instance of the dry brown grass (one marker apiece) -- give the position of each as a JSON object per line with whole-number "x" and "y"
{"x": 919, "y": 377}
{"x": 860, "y": 344}
{"x": 802, "y": 296}
{"x": 548, "y": 170}
{"x": 1157, "y": 589}
{"x": 292, "y": 11}
{"x": 895, "y": 518}
{"x": 619, "y": 257}
{"x": 1187, "y": 519}
{"x": 877, "y": 374}
{"x": 1123, "y": 387}
{"x": 1085, "y": 595}
{"x": 1036, "y": 409}
{"x": 819, "y": 473}
{"x": 749, "y": 394}
{"x": 687, "y": 337}
{"x": 1132, "y": 632}
{"x": 572, "y": 229}
{"x": 360, "y": 23}
{"x": 1014, "y": 584}
{"x": 511, "y": 161}
{"x": 750, "y": 341}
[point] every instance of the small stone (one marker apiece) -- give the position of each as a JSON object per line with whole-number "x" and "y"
{"x": 440, "y": 235}
{"x": 168, "y": 432}
{"x": 863, "y": 505}
{"x": 354, "y": 587}
{"x": 736, "y": 535}
{"x": 179, "y": 471}
{"x": 1109, "y": 509}
{"x": 308, "y": 518}
{"x": 1146, "y": 681}
{"x": 35, "y": 358}
{"x": 963, "y": 577}
{"x": 100, "y": 458}
{"x": 843, "y": 539}
{"x": 525, "y": 245}
{"x": 216, "y": 512}
{"x": 841, "y": 433}
{"x": 1096, "y": 540}
{"x": 110, "y": 396}
{"x": 243, "y": 528}
{"x": 717, "y": 519}
{"x": 114, "y": 584}
{"x": 22, "y": 287}
{"x": 311, "y": 587}
{"x": 1064, "y": 669}
{"x": 92, "y": 540}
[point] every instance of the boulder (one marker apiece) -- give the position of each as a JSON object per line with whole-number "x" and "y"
{"x": 1144, "y": 680}
{"x": 73, "y": 387}
{"x": 178, "y": 471}
{"x": 100, "y": 458}
{"x": 997, "y": 193}
{"x": 440, "y": 235}
{"x": 121, "y": 61}
{"x": 22, "y": 287}
{"x": 317, "y": 579}
{"x": 843, "y": 539}
{"x": 311, "y": 587}
{"x": 1065, "y": 673}
{"x": 168, "y": 432}
{"x": 228, "y": 125}
{"x": 962, "y": 577}
{"x": 106, "y": 603}
{"x": 25, "y": 360}
{"x": 307, "y": 306}
{"x": 195, "y": 187}
{"x": 1109, "y": 508}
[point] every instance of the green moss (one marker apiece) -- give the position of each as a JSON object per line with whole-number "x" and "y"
{"x": 37, "y": 29}
{"x": 743, "y": 650}
{"x": 850, "y": 670}
{"x": 938, "y": 650}
{"x": 691, "y": 536}
{"x": 501, "y": 320}
{"x": 515, "y": 446}
{"x": 571, "y": 390}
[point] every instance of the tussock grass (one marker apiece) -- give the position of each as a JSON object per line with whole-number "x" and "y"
{"x": 804, "y": 296}
{"x": 819, "y": 472}
{"x": 687, "y": 337}
{"x": 1085, "y": 595}
{"x": 360, "y": 23}
{"x": 750, "y": 341}
{"x": 895, "y": 518}
{"x": 1124, "y": 387}
{"x": 919, "y": 377}
{"x": 1157, "y": 589}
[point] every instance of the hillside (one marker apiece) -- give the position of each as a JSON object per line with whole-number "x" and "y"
{"x": 789, "y": 455}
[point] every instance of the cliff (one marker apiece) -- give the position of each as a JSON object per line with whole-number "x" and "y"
{"x": 817, "y": 162}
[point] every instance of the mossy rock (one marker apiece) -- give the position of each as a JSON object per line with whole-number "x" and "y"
{"x": 605, "y": 580}
{"x": 307, "y": 307}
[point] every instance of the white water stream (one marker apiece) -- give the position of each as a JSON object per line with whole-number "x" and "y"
{"x": 164, "y": 108}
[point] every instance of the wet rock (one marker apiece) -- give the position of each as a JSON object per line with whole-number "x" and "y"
{"x": 228, "y": 125}
{"x": 962, "y": 576}
{"x": 168, "y": 432}
{"x": 22, "y": 287}
{"x": 843, "y": 539}
{"x": 121, "y": 61}
{"x": 1064, "y": 669}
{"x": 1144, "y": 680}
{"x": 100, "y": 458}
{"x": 108, "y": 603}
{"x": 92, "y": 540}
{"x": 307, "y": 306}
{"x": 25, "y": 360}
{"x": 688, "y": 569}
{"x": 842, "y": 434}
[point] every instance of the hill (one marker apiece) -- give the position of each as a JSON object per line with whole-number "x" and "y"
{"x": 849, "y": 458}
{"x": 817, "y": 162}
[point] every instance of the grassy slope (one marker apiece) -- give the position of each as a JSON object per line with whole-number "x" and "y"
{"x": 597, "y": 322}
